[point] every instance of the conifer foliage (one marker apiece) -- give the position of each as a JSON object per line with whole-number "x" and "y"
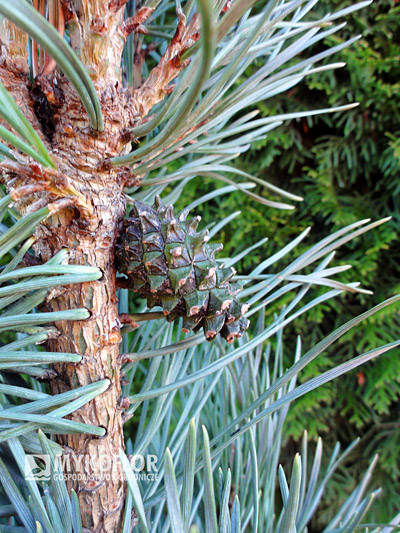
{"x": 105, "y": 104}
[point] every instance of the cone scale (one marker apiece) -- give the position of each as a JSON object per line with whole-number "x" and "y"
{"x": 173, "y": 266}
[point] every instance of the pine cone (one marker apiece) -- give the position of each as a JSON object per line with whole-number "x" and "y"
{"x": 174, "y": 267}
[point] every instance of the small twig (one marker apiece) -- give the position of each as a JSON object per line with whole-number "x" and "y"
{"x": 131, "y": 322}
{"x": 63, "y": 203}
{"x": 126, "y": 318}
{"x": 135, "y": 23}
{"x": 156, "y": 86}
{"x": 26, "y": 190}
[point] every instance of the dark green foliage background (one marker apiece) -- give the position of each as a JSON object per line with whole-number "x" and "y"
{"x": 347, "y": 167}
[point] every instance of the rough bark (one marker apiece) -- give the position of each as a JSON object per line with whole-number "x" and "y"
{"x": 90, "y": 205}
{"x": 90, "y": 240}
{"x": 88, "y": 228}
{"x": 97, "y": 339}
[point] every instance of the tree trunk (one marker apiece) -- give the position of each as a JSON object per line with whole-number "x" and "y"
{"x": 97, "y": 340}
{"x": 90, "y": 241}
{"x": 88, "y": 227}
{"x": 90, "y": 204}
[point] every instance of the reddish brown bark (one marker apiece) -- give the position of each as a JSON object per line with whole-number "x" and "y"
{"x": 155, "y": 87}
{"x": 88, "y": 229}
{"x": 90, "y": 194}
{"x": 90, "y": 240}
{"x": 97, "y": 339}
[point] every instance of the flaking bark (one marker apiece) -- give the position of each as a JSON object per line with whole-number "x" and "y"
{"x": 97, "y": 340}
{"x": 86, "y": 196}
{"x": 87, "y": 228}
{"x": 90, "y": 239}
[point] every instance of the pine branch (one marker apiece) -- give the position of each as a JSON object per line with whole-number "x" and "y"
{"x": 136, "y": 23}
{"x": 155, "y": 88}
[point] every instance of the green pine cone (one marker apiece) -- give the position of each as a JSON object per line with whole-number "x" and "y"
{"x": 174, "y": 267}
